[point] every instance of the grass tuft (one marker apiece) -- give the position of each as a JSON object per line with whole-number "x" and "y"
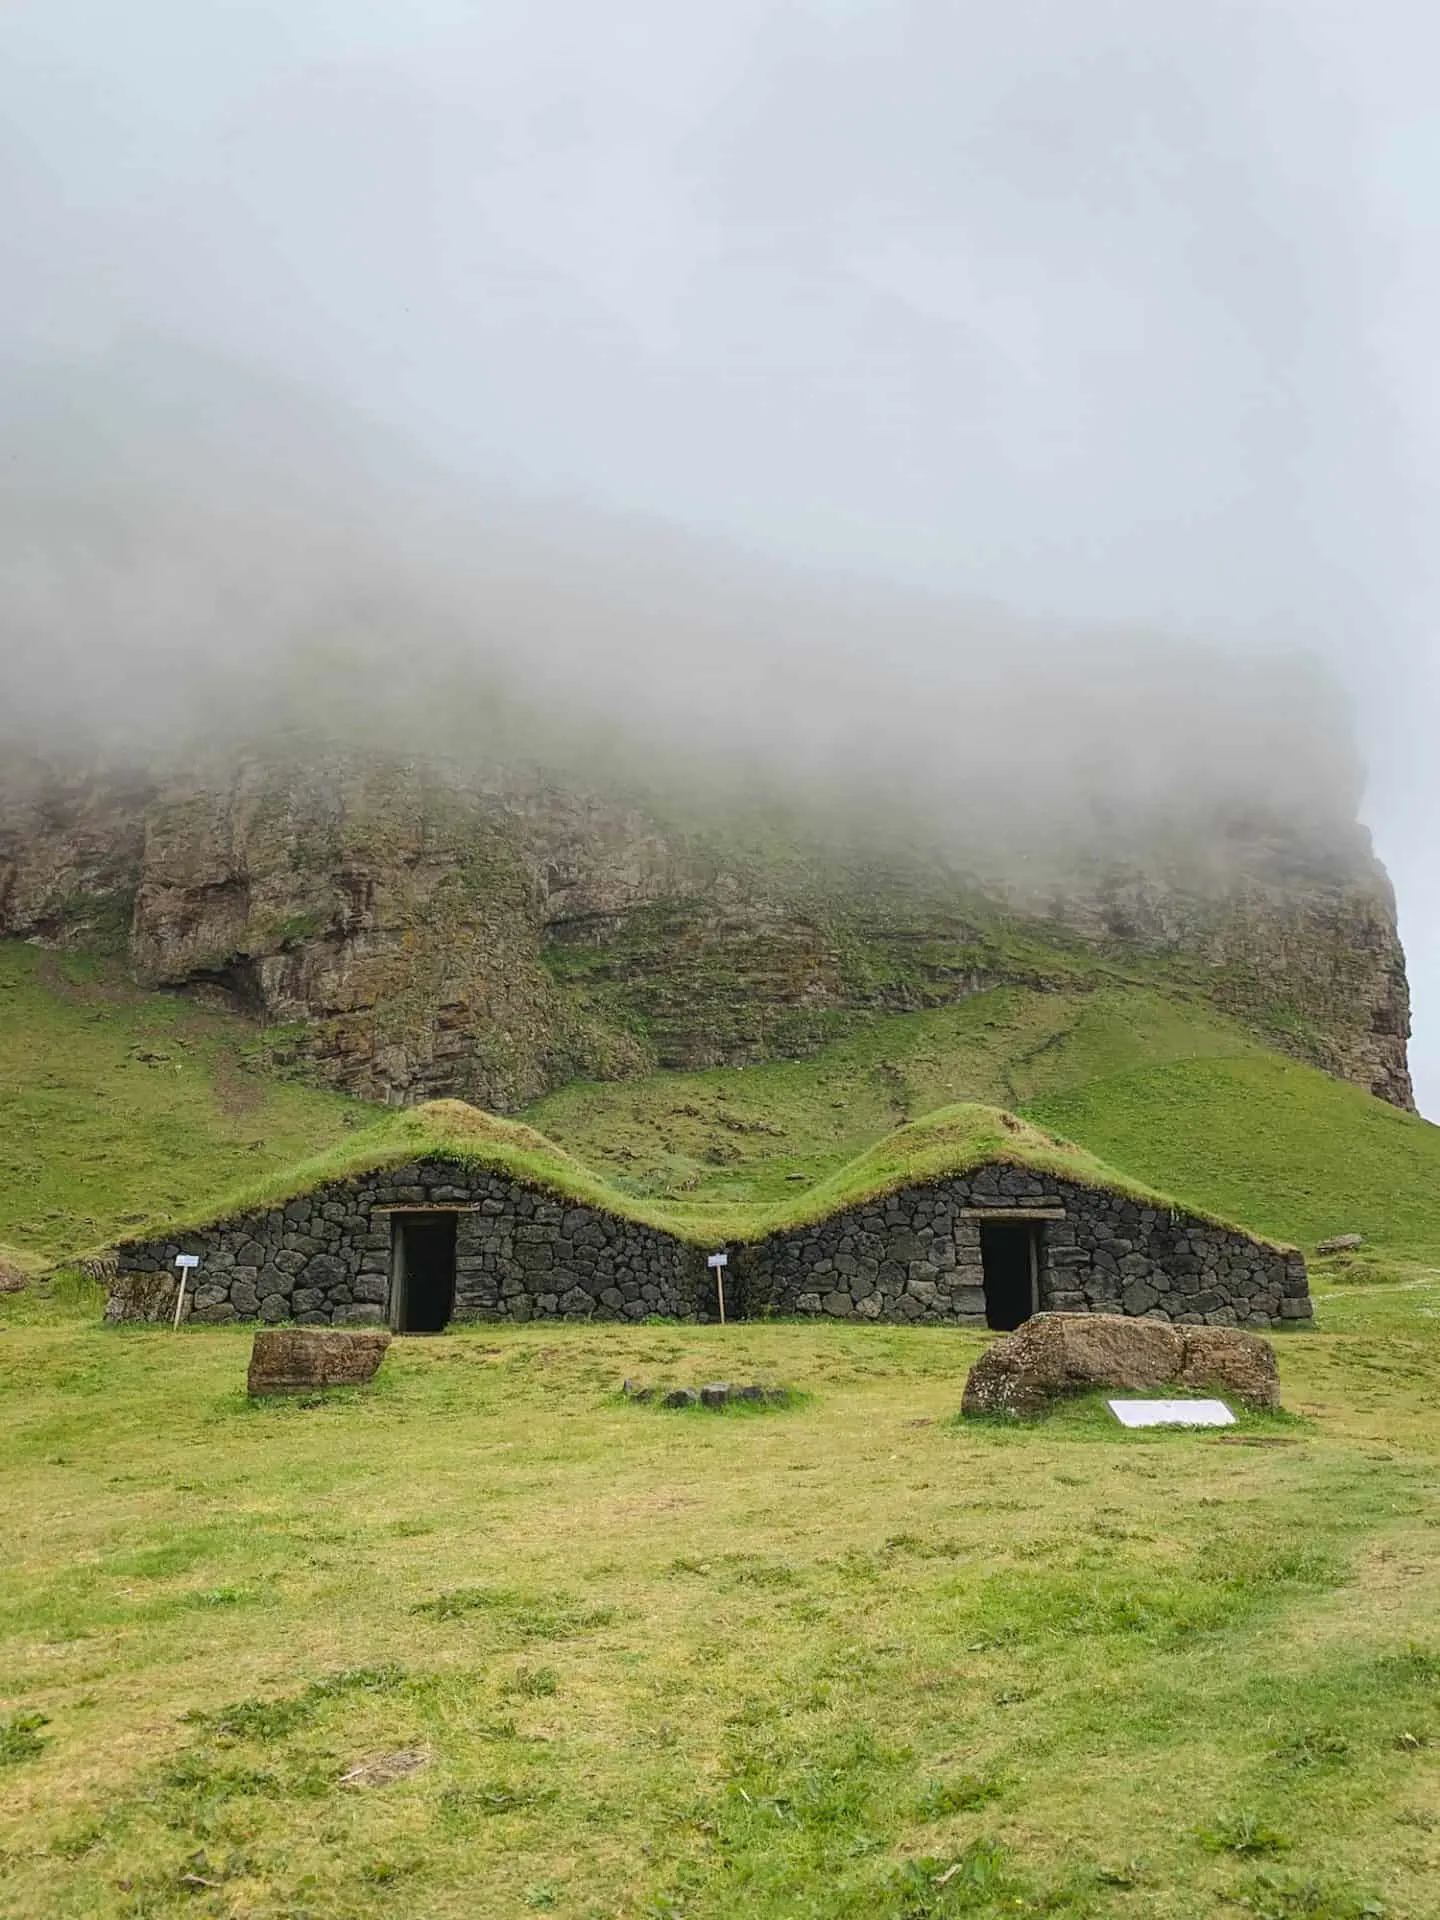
{"x": 1245, "y": 1834}
{"x": 518, "y": 1615}
{"x": 20, "y": 1737}
{"x": 265, "y": 1721}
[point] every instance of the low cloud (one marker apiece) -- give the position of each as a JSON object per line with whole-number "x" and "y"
{"x": 193, "y": 558}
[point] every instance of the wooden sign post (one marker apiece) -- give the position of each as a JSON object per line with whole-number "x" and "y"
{"x": 185, "y": 1262}
{"x": 719, "y": 1262}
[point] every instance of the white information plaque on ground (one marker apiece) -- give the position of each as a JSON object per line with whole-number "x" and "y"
{"x": 1171, "y": 1413}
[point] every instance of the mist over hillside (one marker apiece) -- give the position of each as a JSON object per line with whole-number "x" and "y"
{"x": 194, "y": 558}
{"x": 475, "y": 794}
{"x": 1093, "y": 325}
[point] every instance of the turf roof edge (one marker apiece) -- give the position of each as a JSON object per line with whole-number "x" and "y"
{"x": 944, "y": 1145}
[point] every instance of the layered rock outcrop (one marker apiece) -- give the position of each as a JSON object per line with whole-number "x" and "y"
{"x": 403, "y": 931}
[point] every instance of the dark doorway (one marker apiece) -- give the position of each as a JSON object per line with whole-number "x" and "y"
{"x": 1011, "y": 1255}
{"x": 422, "y": 1289}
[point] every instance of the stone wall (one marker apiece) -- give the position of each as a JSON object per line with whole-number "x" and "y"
{"x": 324, "y": 1260}
{"x": 915, "y": 1256}
{"x": 522, "y": 1255}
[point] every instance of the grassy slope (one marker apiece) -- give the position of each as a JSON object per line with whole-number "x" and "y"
{"x": 117, "y": 1106}
{"x": 752, "y": 1133}
{"x": 1165, "y": 1089}
{"x": 1280, "y": 1146}
{"x": 98, "y": 1139}
{"x": 807, "y": 1663}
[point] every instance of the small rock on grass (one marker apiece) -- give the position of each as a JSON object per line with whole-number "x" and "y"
{"x": 386, "y": 1767}
{"x": 719, "y": 1393}
{"x": 1341, "y": 1243}
{"x": 303, "y": 1359}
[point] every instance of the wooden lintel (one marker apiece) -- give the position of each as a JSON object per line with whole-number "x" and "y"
{"x": 428, "y": 1206}
{"x": 1013, "y": 1213}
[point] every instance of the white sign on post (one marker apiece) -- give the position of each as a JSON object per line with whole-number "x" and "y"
{"x": 718, "y": 1262}
{"x": 185, "y": 1262}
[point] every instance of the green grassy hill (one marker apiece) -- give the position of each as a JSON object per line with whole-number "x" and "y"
{"x": 117, "y": 1107}
{"x": 122, "y": 1109}
{"x": 1165, "y": 1089}
{"x": 752, "y": 1133}
{"x": 1264, "y": 1140}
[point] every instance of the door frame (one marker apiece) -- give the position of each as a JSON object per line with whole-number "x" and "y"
{"x": 1033, "y": 1219}
{"x": 397, "y": 1299}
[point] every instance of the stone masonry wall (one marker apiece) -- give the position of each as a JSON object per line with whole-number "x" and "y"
{"x": 916, "y": 1256}
{"x": 324, "y": 1259}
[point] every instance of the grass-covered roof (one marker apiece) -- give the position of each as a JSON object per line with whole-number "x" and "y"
{"x": 956, "y": 1140}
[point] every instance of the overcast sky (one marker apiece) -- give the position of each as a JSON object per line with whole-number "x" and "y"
{"x": 1104, "y": 309}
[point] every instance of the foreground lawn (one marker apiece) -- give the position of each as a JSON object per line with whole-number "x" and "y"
{"x": 843, "y": 1658}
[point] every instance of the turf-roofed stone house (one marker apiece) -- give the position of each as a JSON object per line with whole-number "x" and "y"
{"x": 971, "y": 1218}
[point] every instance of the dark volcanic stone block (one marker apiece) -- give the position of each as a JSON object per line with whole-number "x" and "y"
{"x": 302, "y": 1359}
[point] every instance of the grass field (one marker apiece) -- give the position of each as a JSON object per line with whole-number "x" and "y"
{"x": 848, "y": 1658}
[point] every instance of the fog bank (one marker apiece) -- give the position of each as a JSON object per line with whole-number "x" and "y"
{"x": 1116, "y": 317}
{"x": 193, "y": 556}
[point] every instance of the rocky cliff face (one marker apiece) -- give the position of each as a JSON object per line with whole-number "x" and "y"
{"x": 1296, "y": 938}
{"x": 404, "y": 933}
